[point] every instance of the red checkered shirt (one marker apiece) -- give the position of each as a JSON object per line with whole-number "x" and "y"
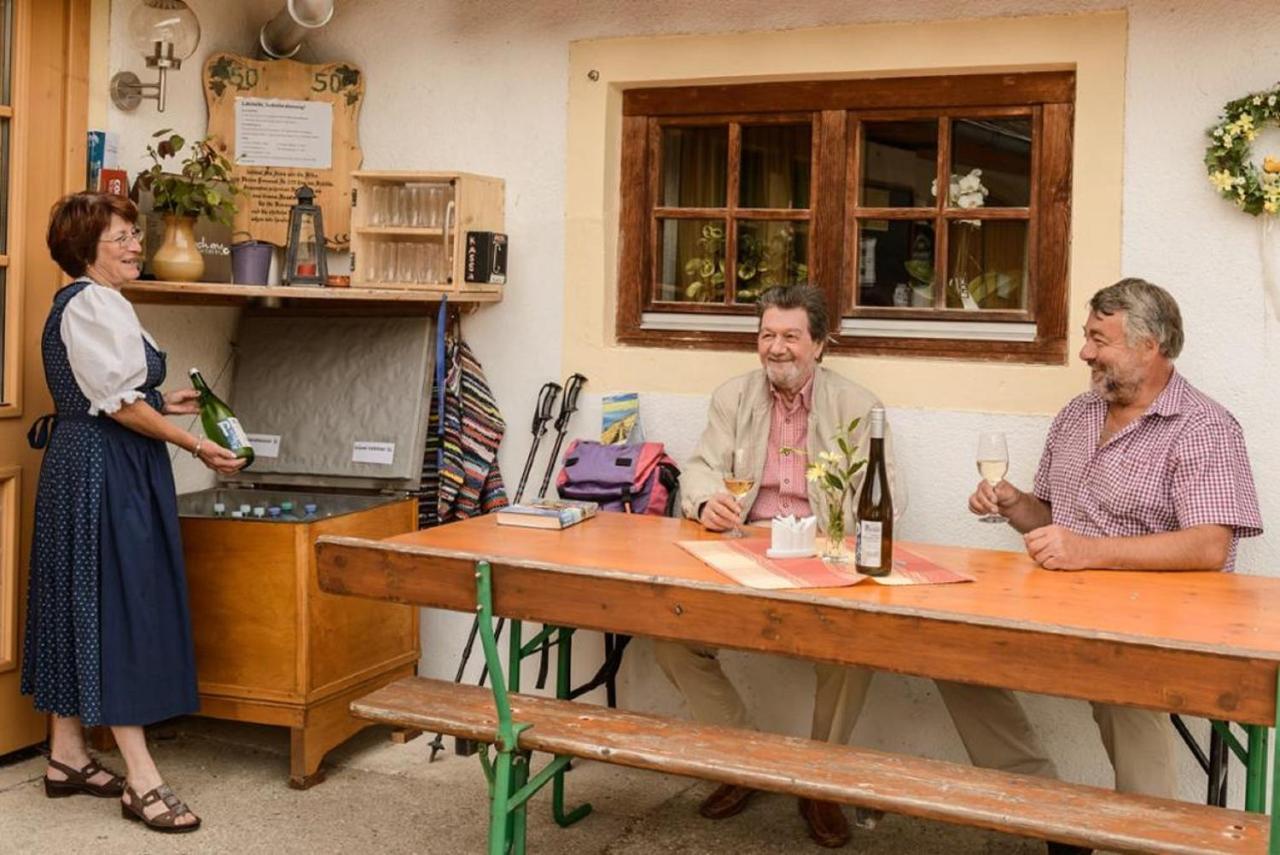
{"x": 783, "y": 489}
{"x": 1181, "y": 464}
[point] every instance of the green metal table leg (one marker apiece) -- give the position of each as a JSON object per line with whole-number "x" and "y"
{"x": 564, "y": 659}
{"x": 504, "y": 782}
{"x": 1255, "y": 781}
{"x": 1273, "y": 845}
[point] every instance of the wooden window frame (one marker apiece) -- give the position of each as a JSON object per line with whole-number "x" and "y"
{"x": 1048, "y": 98}
{"x": 11, "y": 312}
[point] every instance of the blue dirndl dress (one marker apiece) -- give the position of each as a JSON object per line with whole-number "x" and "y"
{"x": 108, "y": 635}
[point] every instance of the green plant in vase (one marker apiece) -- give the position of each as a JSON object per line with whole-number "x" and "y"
{"x": 833, "y": 475}
{"x": 203, "y": 186}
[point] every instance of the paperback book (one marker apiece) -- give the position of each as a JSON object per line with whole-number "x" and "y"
{"x": 547, "y": 513}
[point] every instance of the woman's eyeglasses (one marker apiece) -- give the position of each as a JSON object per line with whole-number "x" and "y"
{"x": 123, "y": 238}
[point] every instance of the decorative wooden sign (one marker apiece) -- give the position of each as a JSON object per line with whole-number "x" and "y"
{"x": 284, "y": 124}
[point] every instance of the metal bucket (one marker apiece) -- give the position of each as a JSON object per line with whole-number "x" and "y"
{"x": 251, "y": 262}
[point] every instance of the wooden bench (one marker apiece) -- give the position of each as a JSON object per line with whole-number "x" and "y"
{"x": 912, "y": 786}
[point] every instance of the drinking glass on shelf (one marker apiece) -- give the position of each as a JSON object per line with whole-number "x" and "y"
{"x": 418, "y": 214}
{"x": 993, "y": 464}
{"x": 421, "y": 263}
{"x": 435, "y": 262}
{"x": 378, "y": 205}
{"x": 434, "y": 204}
{"x": 405, "y": 271}
{"x": 737, "y": 482}
{"x": 386, "y": 261}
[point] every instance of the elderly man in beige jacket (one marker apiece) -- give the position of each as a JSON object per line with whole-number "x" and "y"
{"x": 796, "y": 403}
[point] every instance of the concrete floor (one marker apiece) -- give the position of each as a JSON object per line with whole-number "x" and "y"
{"x": 382, "y": 798}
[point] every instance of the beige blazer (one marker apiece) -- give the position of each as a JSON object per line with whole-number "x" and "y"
{"x": 739, "y": 417}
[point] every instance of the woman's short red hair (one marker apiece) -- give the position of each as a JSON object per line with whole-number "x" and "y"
{"x": 76, "y": 224}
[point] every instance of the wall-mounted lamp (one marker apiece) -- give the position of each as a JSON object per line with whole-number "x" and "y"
{"x": 166, "y": 32}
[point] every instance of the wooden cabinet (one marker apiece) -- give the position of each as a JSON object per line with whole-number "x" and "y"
{"x": 271, "y": 647}
{"x": 408, "y": 229}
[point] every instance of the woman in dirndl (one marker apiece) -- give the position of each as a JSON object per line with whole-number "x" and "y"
{"x": 108, "y": 638}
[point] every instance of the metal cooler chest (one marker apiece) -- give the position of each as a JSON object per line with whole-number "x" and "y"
{"x": 336, "y": 408}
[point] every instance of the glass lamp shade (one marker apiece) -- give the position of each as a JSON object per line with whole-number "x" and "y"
{"x": 170, "y": 22}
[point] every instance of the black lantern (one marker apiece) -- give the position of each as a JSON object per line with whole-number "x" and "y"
{"x": 304, "y": 259}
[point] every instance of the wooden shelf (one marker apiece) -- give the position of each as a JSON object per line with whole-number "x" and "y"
{"x": 226, "y": 294}
{"x": 399, "y": 231}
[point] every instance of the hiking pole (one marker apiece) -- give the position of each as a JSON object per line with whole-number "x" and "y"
{"x": 568, "y": 405}
{"x": 462, "y": 746}
{"x": 541, "y": 415}
{"x": 437, "y": 744}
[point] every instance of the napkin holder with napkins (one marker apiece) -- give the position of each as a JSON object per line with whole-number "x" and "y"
{"x": 793, "y": 538}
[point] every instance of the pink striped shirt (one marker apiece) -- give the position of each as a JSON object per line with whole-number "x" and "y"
{"x": 783, "y": 489}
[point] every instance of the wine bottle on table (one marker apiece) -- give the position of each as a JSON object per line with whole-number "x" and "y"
{"x": 220, "y": 424}
{"x": 874, "y": 556}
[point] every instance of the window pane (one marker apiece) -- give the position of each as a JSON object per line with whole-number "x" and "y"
{"x": 770, "y": 252}
{"x": 4, "y": 304}
{"x": 692, "y": 260}
{"x": 4, "y": 186}
{"x": 987, "y": 265}
{"x": 775, "y": 166}
{"x": 6, "y": 51}
{"x": 695, "y": 166}
{"x": 895, "y": 263}
{"x": 1001, "y": 149}
{"x": 899, "y": 163}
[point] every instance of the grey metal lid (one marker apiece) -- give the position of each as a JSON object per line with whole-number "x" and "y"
{"x": 339, "y": 401}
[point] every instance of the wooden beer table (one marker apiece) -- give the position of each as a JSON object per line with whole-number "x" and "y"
{"x": 1195, "y": 643}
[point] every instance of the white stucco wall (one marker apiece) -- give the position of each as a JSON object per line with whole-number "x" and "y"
{"x": 481, "y": 86}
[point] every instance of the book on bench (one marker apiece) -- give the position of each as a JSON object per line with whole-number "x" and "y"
{"x": 546, "y": 513}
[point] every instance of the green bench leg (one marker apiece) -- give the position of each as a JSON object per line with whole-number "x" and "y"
{"x": 508, "y": 772}
{"x": 1273, "y": 845}
{"x": 564, "y": 658}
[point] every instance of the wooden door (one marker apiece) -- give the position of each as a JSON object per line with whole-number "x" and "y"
{"x": 44, "y": 52}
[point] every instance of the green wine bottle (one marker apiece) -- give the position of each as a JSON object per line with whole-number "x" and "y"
{"x": 220, "y": 424}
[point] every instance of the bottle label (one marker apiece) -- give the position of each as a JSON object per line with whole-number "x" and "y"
{"x": 233, "y": 435}
{"x": 870, "y": 543}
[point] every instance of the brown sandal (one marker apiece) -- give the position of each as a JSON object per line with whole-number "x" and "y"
{"x": 77, "y": 781}
{"x": 136, "y": 810}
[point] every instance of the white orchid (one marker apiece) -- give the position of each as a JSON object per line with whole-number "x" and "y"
{"x": 966, "y": 191}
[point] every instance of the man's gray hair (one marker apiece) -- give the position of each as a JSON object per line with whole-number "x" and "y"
{"x": 806, "y": 297}
{"x": 1150, "y": 312}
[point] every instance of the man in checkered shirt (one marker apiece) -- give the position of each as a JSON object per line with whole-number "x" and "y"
{"x": 1142, "y": 472}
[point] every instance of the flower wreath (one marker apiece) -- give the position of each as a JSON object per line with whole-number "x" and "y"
{"x": 1229, "y": 155}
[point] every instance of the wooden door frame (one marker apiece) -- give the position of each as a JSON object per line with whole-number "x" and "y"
{"x": 50, "y": 98}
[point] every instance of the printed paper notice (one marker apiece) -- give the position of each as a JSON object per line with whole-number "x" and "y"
{"x": 381, "y": 453}
{"x": 265, "y": 444}
{"x": 280, "y": 132}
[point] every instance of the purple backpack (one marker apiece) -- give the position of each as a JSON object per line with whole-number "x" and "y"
{"x": 635, "y": 479}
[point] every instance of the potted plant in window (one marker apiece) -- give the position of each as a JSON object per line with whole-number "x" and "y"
{"x": 203, "y": 187}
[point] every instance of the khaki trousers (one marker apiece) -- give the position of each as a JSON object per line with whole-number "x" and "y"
{"x": 992, "y": 725}
{"x": 1141, "y": 747}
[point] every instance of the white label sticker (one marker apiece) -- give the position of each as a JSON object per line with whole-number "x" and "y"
{"x": 382, "y": 453}
{"x": 870, "y": 539}
{"x": 264, "y": 444}
{"x": 281, "y": 132}
{"x": 233, "y": 436}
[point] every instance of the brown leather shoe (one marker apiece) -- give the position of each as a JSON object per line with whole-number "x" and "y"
{"x": 827, "y": 825}
{"x": 728, "y": 800}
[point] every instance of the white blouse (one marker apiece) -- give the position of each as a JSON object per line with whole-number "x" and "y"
{"x": 103, "y": 338}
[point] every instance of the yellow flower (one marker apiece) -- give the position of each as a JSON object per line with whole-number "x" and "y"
{"x": 1271, "y": 206}
{"x": 1223, "y": 180}
{"x": 1271, "y": 164}
{"x": 814, "y": 472}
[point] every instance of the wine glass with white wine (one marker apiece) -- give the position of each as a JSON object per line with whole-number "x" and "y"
{"x": 993, "y": 464}
{"x": 737, "y": 482}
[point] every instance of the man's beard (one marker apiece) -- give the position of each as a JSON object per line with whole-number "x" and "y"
{"x": 1113, "y": 386}
{"x": 784, "y": 375}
